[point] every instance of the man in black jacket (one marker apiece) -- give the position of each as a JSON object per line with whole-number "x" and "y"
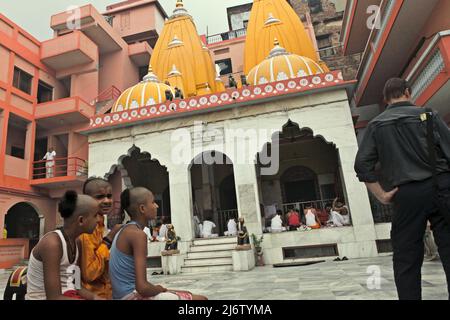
{"x": 397, "y": 141}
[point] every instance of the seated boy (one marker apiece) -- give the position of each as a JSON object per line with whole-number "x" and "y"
{"x": 128, "y": 259}
{"x": 53, "y": 269}
{"x": 312, "y": 220}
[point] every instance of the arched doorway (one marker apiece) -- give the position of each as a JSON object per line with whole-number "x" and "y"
{"x": 213, "y": 189}
{"x": 22, "y": 222}
{"x": 309, "y": 172}
{"x": 144, "y": 171}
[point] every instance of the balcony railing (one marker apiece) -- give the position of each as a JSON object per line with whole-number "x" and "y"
{"x": 112, "y": 93}
{"x": 331, "y": 51}
{"x": 430, "y": 64}
{"x": 60, "y": 167}
{"x": 233, "y": 34}
{"x": 317, "y": 204}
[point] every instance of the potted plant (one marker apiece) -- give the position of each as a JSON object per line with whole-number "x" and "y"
{"x": 258, "y": 250}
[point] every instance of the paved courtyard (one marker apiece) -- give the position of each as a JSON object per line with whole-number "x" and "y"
{"x": 325, "y": 281}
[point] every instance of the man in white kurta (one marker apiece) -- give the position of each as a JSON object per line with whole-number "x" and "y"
{"x": 232, "y": 228}
{"x": 50, "y": 164}
{"x": 207, "y": 228}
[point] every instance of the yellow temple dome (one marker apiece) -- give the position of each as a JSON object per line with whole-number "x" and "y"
{"x": 281, "y": 65}
{"x": 149, "y": 91}
{"x": 180, "y": 45}
{"x": 271, "y": 19}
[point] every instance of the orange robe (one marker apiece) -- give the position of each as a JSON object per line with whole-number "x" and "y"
{"x": 94, "y": 262}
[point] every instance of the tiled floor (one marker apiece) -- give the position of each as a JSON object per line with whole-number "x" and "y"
{"x": 326, "y": 281}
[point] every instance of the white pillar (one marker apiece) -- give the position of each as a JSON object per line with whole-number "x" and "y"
{"x": 248, "y": 197}
{"x": 181, "y": 202}
{"x": 357, "y": 196}
{"x": 41, "y": 226}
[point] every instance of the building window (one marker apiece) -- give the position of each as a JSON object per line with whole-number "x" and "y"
{"x": 22, "y": 80}
{"x": 16, "y": 137}
{"x": 225, "y": 66}
{"x": 326, "y": 250}
{"x": 315, "y": 6}
{"x": 324, "y": 41}
{"x": 45, "y": 92}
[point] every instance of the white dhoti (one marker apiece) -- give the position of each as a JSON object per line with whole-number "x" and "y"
{"x": 340, "y": 220}
{"x": 49, "y": 165}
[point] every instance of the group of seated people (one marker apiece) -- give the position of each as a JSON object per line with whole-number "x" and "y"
{"x": 83, "y": 260}
{"x": 157, "y": 229}
{"x": 335, "y": 215}
{"x": 204, "y": 229}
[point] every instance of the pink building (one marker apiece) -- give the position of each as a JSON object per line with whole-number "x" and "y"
{"x": 408, "y": 39}
{"x": 48, "y": 92}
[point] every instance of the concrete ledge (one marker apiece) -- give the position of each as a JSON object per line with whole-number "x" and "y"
{"x": 243, "y": 260}
{"x": 171, "y": 264}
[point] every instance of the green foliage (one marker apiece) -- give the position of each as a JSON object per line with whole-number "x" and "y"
{"x": 257, "y": 242}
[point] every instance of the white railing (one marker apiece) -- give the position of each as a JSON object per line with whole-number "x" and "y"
{"x": 426, "y": 70}
{"x": 233, "y": 34}
{"x": 300, "y": 206}
{"x": 331, "y": 51}
{"x": 429, "y": 73}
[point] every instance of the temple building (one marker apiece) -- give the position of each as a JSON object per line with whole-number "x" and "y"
{"x": 138, "y": 96}
{"x": 284, "y": 140}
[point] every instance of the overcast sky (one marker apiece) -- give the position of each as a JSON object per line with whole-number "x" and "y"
{"x": 34, "y": 15}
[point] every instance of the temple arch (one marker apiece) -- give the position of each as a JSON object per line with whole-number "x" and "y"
{"x": 213, "y": 190}
{"x": 309, "y": 171}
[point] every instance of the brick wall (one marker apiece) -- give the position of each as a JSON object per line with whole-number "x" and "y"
{"x": 327, "y": 27}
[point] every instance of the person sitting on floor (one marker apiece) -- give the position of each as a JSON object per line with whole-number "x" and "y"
{"x": 324, "y": 215}
{"x": 94, "y": 247}
{"x": 294, "y": 220}
{"x": 339, "y": 214}
{"x": 155, "y": 232}
{"x": 277, "y": 223}
{"x": 231, "y": 228}
{"x": 53, "y": 269}
{"x": 162, "y": 236}
{"x": 312, "y": 220}
{"x": 208, "y": 227}
{"x": 128, "y": 260}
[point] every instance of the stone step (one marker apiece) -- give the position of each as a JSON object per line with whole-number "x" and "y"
{"x": 210, "y": 254}
{"x": 207, "y": 262}
{"x": 213, "y": 247}
{"x": 207, "y": 269}
{"x": 211, "y": 241}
